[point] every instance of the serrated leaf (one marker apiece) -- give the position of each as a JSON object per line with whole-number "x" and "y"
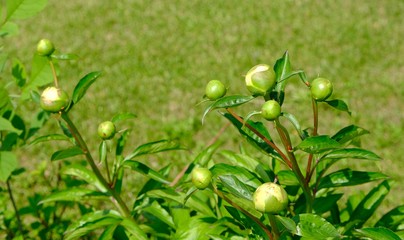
{"x": 159, "y": 212}
{"x": 339, "y": 105}
{"x": 84, "y": 174}
{"x": 6, "y": 125}
{"x": 142, "y": 168}
{"x": 392, "y": 219}
{"x": 8, "y": 163}
{"x": 236, "y": 187}
{"x": 347, "y": 177}
{"x": 82, "y": 86}
{"x": 353, "y": 153}
{"x": 227, "y": 102}
{"x": 50, "y": 137}
{"x": 311, "y": 226}
{"x": 154, "y": 147}
{"x": 123, "y": 116}
{"x": 349, "y": 133}
{"x": 74, "y": 195}
{"x": 377, "y": 233}
{"x": 20, "y": 9}
{"x": 318, "y": 144}
{"x": 66, "y": 153}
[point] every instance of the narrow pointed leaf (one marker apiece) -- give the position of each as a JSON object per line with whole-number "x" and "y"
{"x": 349, "y": 133}
{"x": 318, "y": 144}
{"x": 354, "y": 153}
{"x": 311, "y": 226}
{"x": 83, "y": 85}
{"x": 392, "y": 219}
{"x": 242, "y": 174}
{"x": 19, "y": 73}
{"x": 66, "y": 153}
{"x": 159, "y": 212}
{"x": 339, "y": 105}
{"x": 205, "y": 156}
{"x": 236, "y": 187}
{"x": 292, "y": 119}
{"x": 379, "y": 233}
{"x": 227, "y": 102}
{"x": 50, "y": 137}
{"x": 74, "y": 195}
{"x": 142, "y": 168}
{"x": 324, "y": 204}
{"x": 123, "y": 116}
{"x": 20, "y": 9}
{"x": 84, "y": 174}
{"x": 41, "y": 75}
{"x": 288, "y": 178}
{"x": 154, "y": 147}
{"x": 6, "y": 125}
{"x": 288, "y": 223}
{"x": 8, "y": 163}
{"x": 347, "y": 177}
{"x": 65, "y": 56}
{"x": 133, "y": 228}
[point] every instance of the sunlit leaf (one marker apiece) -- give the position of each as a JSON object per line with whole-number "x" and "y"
{"x": 123, "y": 116}
{"x": 242, "y": 174}
{"x": 311, "y": 226}
{"x": 339, "y": 105}
{"x": 288, "y": 223}
{"x": 142, "y": 168}
{"x": 349, "y": 133}
{"x": 159, "y": 212}
{"x": 64, "y": 56}
{"x": 41, "y": 75}
{"x": 288, "y": 178}
{"x": 74, "y": 195}
{"x": 227, "y": 102}
{"x": 84, "y": 174}
{"x": 6, "y": 125}
{"x": 82, "y": 86}
{"x": 8, "y": 163}
{"x": 392, "y": 219}
{"x": 50, "y": 137}
{"x": 236, "y": 187}
{"x": 154, "y": 147}
{"x": 318, "y": 144}
{"x": 20, "y": 9}
{"x": 66, "y": 153}
{"x": 354, "y": 153}
{"x": 378, "y": 233}
{"x": 347, "y": 177}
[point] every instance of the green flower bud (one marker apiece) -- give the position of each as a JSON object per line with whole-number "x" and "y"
{"x": 271, "y": 110}
{"x": 260, "y": 79}
{"x": 106, "y": 130}
{"x": 215, "y": 90}
{"x": 45, "y": 47}
{"x": 270, "y": 198}
{"x": 54, "y": 99}
{"x": 201, "y": 177}
{"x": 321, "y": 89}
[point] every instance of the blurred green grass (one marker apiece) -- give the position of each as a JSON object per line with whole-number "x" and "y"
{"x": 158, "y": 55}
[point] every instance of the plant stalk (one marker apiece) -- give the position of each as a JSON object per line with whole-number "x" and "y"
{"x": 315, "y": 133}
{"x": 274, "y": 227}
{"x": 17, "y": 214}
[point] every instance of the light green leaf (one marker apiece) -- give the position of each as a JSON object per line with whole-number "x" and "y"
{"x": 355, "y": 153}
{"x": 242, "y": 174}
{"x": 6, "y": 125}
{"x": 133, "y": 228}
{"x": 65, "y": 56}
{"x": 324, "y": 204}
{"x": 74, "y": 195}
{"x": 288, "y": 178}
{"x": 50, "y": 137}
{"x": 8, "y": 29}
{"x": 392, "y": 219}
{"x": 123, "y": 116}
{"x": 154, "y": 147}
{"x": 20, "y": 9}
{"x": 84, "y": 174}
{"x": 347, "y": 177}
{"x": 8, "y": 163}
{"x": 318, "y": 144}
{"x": 142, "y": 168}
{"x": 377, "y": 233}
{"x": 159, "y": 212}
{"x": 227, "y": 102}
{"x": 236, "y": 187}
{"x": 82, "y": 86}
{"x": 41, "y": 75}
{"x": 339, "y": 105}
{"x": 66, "y": 153}
{"x": 288, "y": 223}
{"x": 349, "y": 133}
{"x": 311, "y": 226}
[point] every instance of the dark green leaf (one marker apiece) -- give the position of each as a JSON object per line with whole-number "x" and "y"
{"x": 121, "y": 143}
{"x": 123, "y": 116}
{"x": 288, "y": 178}
{"x": 339, "y": 105}
{"x": 311, "y": 226}
{"x": 159, "y": 212}
{"x": 349, "y": 133}
{"x": 6, "y": 125}
{"x": 354, "y": 153}
{"x": 102, "y": 152}
{"x": 288, "y": 223}
{"x": 236, "y": 187}
{"x": 108, "y": 233}
{"x": 20, "y": 9}
{"x": 142, "y": 168}
{"x": 134, "y": 229}
{"x": 227, "y": 102}
{"x": 204, "y": 157}
{"x": 5, "y": 103}
{"x": 377, "y": 233}
{"x": 296, "y": 124}
{"x": 84, "y": 174}
{"x": 242, "y": 174}
{"x": 347, "y": 177}
{"x": 50, "y": 137}
{"x": 324, "y": 204}
{"x": 8, "y": 163}
{"x": 367, "y": 207}
{"x": 66, "y": 153}
{"x": 74, "y": 195}
{"x": 18, "y": 72}
{"x": 318, "y": 144}
{"x": 392, "y": 219}
{"x": 282, "y": 70}
{"x": 154, "y": 147}
{"x": 65, "y": 56}
{"x": 83, "y": 85}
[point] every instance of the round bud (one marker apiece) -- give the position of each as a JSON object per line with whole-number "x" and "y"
{"x": 270, "y": 198}
{"x": 45, "y": 47}
{"x": 106, "y": 130}
{"x": 215, "y": 90}
{"x": 201, "y": 177}
{"x": 271, "y": 110}
{"x": 321, "y": 89}
{"x": 260, "y": 79}
{"x": 54, "y": 99}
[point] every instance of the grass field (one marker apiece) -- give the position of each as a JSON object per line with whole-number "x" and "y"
{"x": 158, "y": 55}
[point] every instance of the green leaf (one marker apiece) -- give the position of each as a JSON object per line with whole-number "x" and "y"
{"x": 65, "y": 56}
{"x": 206, "y": 155}
{"x": 50, "y": 137}
{"x": 41, "y": 75}
{"x": 133, "y": 228}
{"x": 377, "y": 233}
{"x": 142, "y": 168}
{"x": 349, "y": 133}
{"x": 288, "y": 223}
{"x": 282, "y": 69}
{"x": 354, "y": 153}
{"x": 236, "y": 187}
{"x": 91, "y": 222}
{"x": 8, "y": 29}
{"x": 82, "y": 86}
{"x": 74, "y": 195}
{"x": 20, "y": 9}
{"x": 8, "y": 163}
{"x": 339, "y": 105}
{"x": 227, "y": 102}
{"x": 66, "y": 153}
{"x": 19, "y": 73}
{"x": 367, "y": 207}
{"x": 159, "y": 212}
{"x": 121, "y": 143}
{"x": 292, "y": 119}
{"x": 318, "y": 144}
{"x": 108, "y": 233}
{"x": 154, "y": 147}
{"x": 288, "y": 178}
{"x": 123, "y": 116}
{"x": 242, "y": 174}
{"x": 5, "y": 103}
{"x": 311, "y": 226}
{"x": 84, "y": 174}
{"x": 324, "y": 204}
{"x": 347, "y": 177}
{"x": 6, "y": 125}
{"x": 392, "y": 219}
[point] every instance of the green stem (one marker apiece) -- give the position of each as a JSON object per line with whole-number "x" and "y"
{"x": 275, "y": 230}
{"x": 17, "y": 215}
{"x": 295, "y": 166}
{"x": 116, "y": 198}
{"x": 315, "y": 133}
{"x": 55, "y": 78}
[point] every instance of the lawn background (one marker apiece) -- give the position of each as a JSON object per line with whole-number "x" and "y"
{"x": 157, "y": 56}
